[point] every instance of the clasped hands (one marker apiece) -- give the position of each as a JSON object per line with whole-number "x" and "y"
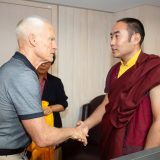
{"x": 80, "y": 132}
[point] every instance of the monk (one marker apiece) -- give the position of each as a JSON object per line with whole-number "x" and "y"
{"x": 130, "y": 111}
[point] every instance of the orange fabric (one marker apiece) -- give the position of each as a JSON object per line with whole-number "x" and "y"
{"x": 46, "y": 153}
{"x": 49, "y": 118}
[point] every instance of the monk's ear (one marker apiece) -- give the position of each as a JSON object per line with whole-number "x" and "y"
{"x": 136, "y": 38}
{"x": 32, "y": 39}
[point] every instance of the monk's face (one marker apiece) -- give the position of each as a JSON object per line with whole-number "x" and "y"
{"x": 121, "y": 43}
{"x": 43, "y": 68}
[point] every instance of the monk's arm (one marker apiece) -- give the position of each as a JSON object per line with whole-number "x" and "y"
{"x": 153, "y": 137}
{"x": 97, "y": 115}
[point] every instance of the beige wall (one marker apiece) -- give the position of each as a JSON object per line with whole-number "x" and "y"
{"x": 83, "y": 60}
{"x": 83, "y": 55}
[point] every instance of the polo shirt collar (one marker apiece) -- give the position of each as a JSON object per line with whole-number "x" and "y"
{"x": 21, "y": 57}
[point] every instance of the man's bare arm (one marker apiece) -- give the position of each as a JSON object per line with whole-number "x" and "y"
{"x": 97, "y": 115}
{"x": 153, "y": 137}
{"x": 44, "y": 135}
{"x": 53, "y": 108}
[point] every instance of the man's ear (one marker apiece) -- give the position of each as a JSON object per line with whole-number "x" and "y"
{"x": 32, "y": 39}
{"x": 136, "y": 38}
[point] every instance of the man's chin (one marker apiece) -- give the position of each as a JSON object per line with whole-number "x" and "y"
{"x": 116, "y": 54}
{"x": 47, "y": 60}
{"x": 50, "y": 59}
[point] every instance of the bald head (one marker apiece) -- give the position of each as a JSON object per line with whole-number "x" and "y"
{"x": 29, "y": 25}
{"x": 36, "y": 40}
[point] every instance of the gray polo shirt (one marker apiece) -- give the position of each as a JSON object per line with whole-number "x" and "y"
{"x": 19, "y": 100}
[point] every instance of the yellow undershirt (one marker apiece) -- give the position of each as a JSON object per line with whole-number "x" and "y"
{"x": 130, "y": 63}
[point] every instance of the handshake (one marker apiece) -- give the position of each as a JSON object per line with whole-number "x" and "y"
{"x": 80, "y": 132}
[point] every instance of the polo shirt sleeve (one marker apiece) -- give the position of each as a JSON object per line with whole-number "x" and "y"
{"x": 24, "y": 92}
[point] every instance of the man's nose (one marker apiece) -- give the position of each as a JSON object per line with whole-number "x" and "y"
{"x": 112, "y": 42}
{"x": 54, "y": 45}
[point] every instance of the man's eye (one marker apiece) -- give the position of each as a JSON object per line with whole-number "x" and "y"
{"x": 52, "y": 39}
{"x": 117, "y": 36}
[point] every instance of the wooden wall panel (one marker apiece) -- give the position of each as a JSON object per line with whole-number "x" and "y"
{"x": 83, "y": 58}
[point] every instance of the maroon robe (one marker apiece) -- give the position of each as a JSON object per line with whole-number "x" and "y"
{"x": 128, "y": 116}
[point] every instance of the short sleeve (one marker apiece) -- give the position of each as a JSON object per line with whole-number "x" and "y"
{"x": 24, "y": 92}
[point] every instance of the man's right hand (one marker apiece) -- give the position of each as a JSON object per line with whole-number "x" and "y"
{"x": 80, "y": 134}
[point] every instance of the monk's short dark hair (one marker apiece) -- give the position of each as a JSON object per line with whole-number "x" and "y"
{"x": 134, "y": 26}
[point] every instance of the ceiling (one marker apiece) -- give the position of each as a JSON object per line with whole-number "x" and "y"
{"x": 103, "y": 5}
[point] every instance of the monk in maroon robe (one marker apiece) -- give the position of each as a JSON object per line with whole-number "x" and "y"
{"x": 128, "y": 116}
{"x": 130, "y": 111}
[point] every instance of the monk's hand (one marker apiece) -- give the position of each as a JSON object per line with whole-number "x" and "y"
{"x": 47, "y": 110}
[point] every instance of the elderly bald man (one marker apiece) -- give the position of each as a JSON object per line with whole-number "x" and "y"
{"x": 21, "y": 115}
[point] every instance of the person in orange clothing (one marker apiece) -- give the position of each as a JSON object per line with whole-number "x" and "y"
{"x": 54, "y": 100}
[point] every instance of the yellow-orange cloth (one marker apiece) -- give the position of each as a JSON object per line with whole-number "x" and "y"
{"x": 130, "y": 63}
{"x": 46, "y": 153}
{"x": 49, "y": 118}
